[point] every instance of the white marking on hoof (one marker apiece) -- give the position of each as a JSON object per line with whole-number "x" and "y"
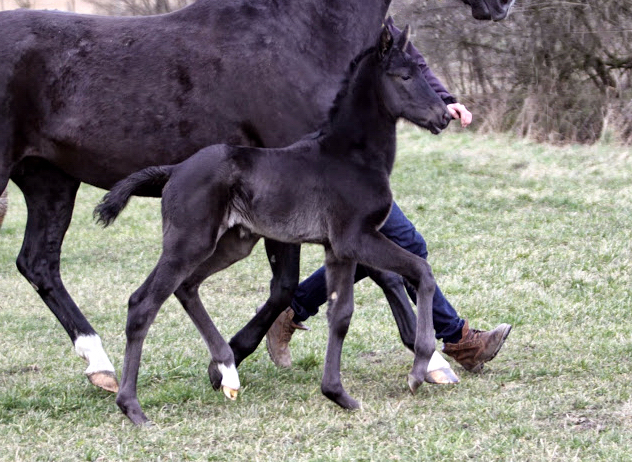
{"x": 89, "y": 347}
{"x": 230, "y": 393}
{"x": 272, "y": 259}
{"x": 439, "y": 371}
{"x": 334, "y": 296}
{"x": 230, "y": 377}
{"x": 437, "y": 362}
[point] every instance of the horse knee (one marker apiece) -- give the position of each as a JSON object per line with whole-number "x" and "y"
{"x": 35, "y": 273}
{"x": 390, "y": 281}
{"x": 139, "y": 316}
{"x": 186, "y": 291}
{"x": 282, "y": 290}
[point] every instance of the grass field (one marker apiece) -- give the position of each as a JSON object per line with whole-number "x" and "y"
{"x": 534, "y": 235}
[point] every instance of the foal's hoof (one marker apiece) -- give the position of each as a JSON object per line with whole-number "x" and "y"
{"x": 414, "y": 383}
{"x": 443, "y": 376}
{"x": 214, "y": 376}
{"x": 230, "y": 393}
{"x": 104, "y": 379}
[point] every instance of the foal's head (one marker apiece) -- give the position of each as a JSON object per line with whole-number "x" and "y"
{"x": 404, "y": 90}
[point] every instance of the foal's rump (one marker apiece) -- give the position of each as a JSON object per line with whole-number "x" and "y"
{"x": 183, "y": 186}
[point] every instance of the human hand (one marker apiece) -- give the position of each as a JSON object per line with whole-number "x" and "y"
{"x": 458, "y": 111}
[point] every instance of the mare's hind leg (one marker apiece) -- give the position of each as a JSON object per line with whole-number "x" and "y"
{"x": 234, "y": 245}
{"x": 340, "y": 298}
{"x": 284, "y": 260}
{"x": 50, "y": 197}
{"x": 393, "y": 287}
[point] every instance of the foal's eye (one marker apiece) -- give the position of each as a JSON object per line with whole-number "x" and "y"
{"x": 405, "y": 77}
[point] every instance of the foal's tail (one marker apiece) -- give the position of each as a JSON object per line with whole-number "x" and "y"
{"x": 146, "y": 182}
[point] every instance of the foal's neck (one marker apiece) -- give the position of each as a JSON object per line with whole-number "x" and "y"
{"x": 360, "y": 127}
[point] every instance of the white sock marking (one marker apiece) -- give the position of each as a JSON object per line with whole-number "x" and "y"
{"x": 89, "y": 347}
{"x": 438, "y": 362}
{"x": 230, "y": 377}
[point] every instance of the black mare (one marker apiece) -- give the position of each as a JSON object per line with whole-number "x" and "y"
{"x": 331, "y": 188}
{"x": 92, "y": 99}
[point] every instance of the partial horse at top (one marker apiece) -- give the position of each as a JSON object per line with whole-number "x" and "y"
{"x": 92, "y": 99}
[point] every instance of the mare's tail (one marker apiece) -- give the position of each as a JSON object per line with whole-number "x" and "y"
{"x": 149, "y": 181}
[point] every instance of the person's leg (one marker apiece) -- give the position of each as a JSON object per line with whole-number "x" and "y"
{"x": 312, "y": 293}
{"x": 308, "y": 297}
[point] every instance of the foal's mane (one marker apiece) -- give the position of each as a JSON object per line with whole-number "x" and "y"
{"x": 344, "y": 87}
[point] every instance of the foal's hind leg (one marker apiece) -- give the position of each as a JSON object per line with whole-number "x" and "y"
{"x": 50, "y": 197}
{"x": 232, "y": 247}
{"x": 340, "y": 298}
{"x": 183, "y": 251}
{"x": 284, "y": 260}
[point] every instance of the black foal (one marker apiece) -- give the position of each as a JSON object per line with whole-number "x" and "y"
{"x": 331, "y": 187}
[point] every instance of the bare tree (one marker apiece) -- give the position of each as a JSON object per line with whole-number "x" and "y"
{"x": 554, "y": 70}
{"x": 137, "y": 7}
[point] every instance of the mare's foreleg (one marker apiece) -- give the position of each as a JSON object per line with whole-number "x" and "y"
{"x": 340, "y": 299}
{"x": 393, "y": 287}
{"x": 284, "y": 260}
{"x": 234, "y": 245}
{"x": 375, "y": 250}
{"x": 50, "y": 198}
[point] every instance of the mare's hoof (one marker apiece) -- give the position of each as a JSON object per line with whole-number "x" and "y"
{"x": 133, "y": 412}
{"x": 443, "y": 376}
{"x": 230, "y": 393}
{"x": 414, "y": 383}
{"x": 104, "y": 379}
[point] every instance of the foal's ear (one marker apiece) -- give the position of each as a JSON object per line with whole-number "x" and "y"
{"x": 385, "y": 43}
{"x": 404, "y": 38}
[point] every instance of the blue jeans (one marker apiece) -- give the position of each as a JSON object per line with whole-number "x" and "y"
{"x": 312, "y": 292}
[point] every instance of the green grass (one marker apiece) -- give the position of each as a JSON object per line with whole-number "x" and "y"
{"x": 534, "y": 235}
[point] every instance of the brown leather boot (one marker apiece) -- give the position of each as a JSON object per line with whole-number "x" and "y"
{"x": 279, "y": 336}
{"x": 476, "y": 347}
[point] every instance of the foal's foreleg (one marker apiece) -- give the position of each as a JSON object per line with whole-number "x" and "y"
{"x": 340, "y": 298}
{"x": 375, "y": 250}
{"x": 439, "y": 371}
{"x": 232, "y": 247}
